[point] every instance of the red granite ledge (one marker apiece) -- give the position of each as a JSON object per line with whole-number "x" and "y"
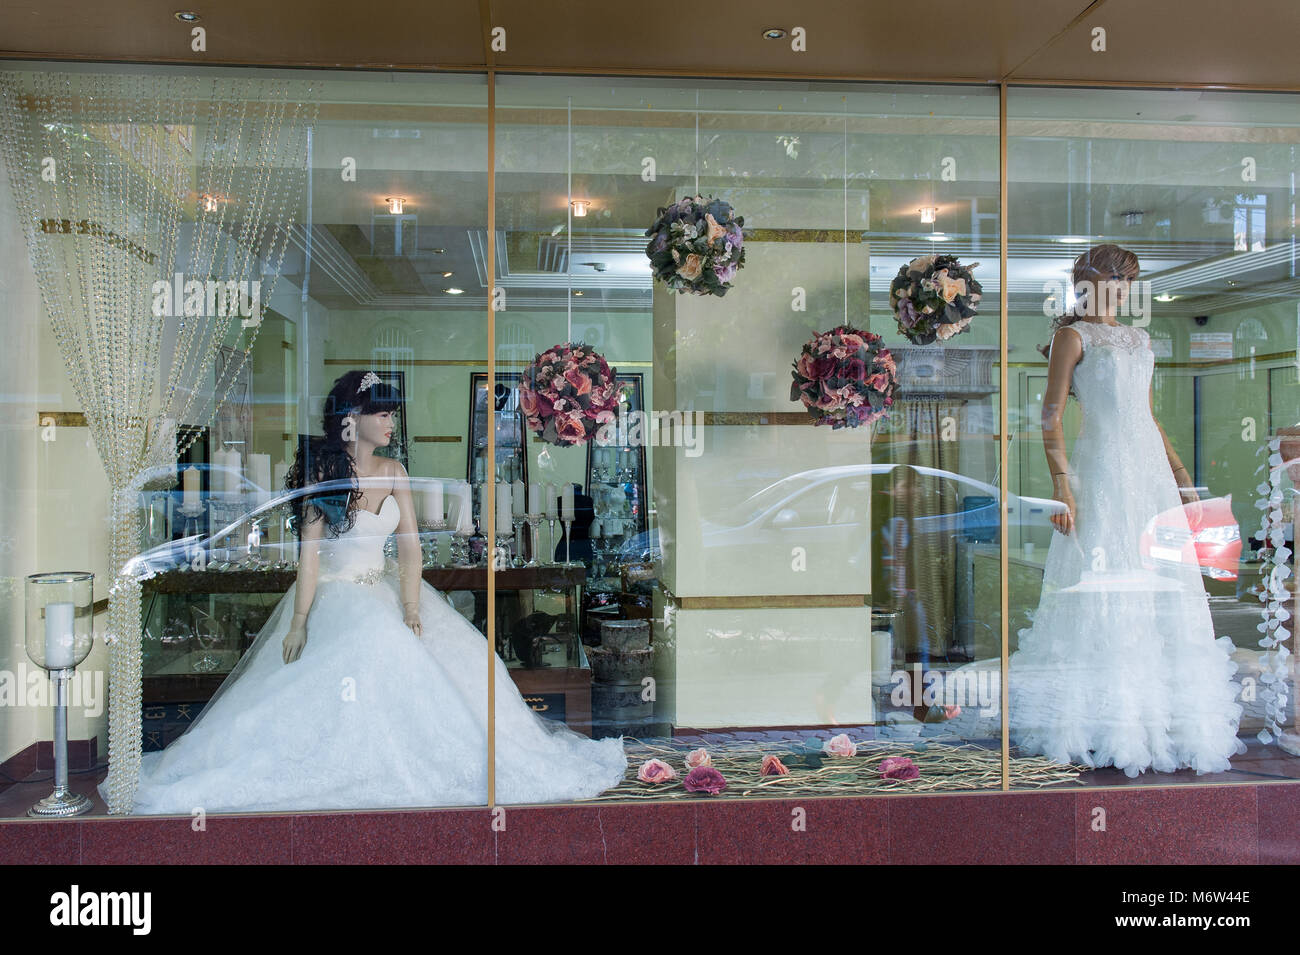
{"x": 550, "y": 835}
{"x": 417, "y": 837}
{"x": 1003, "y": 828}
{"x": 1279, "y": 825}
{"x": 662, "y": 833}
{"x": 40, "y": 842}
{"x": 794, "y": 831}
{"x": 1182, "y": 825}
{"x": 226, "y": 840}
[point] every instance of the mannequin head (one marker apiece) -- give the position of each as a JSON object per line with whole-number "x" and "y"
{"x": 355, "y": 420}
{"x": 1102, "y": 276}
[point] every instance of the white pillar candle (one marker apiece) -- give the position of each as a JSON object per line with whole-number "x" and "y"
{"x": 551, "y": 499}
{"x": 534, "y": 498}
{"x": 517, "y": 500}
{"x": 60, "y": 651}
{"x": 596, "y": 531}
{"x": 503, "y": 508}
{"x": 279, "y": 476}
{"x": 431, "y": 501}
{"x": 567, "y": 503}
{"x": 190, "y": 488}
{"x": 882, "y": 656}
{"x": 466, "y": 508}
{"x": 259, "y": 470}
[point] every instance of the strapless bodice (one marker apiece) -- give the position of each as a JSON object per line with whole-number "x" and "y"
{"x": 358, "y": 553}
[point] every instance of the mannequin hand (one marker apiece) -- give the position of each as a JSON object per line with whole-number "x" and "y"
{"x": 412, "y": 616}
{"x": 294, "y": 641}
{"x": 1063, "y": 520}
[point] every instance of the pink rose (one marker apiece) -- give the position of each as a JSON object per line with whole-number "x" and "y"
{"x": 840, "y": 746}
{"x": 691, "y": 268}
{"x": 715, "y": 230}
{"x": 899, "y": 767}
{"x": 655, "y": 771}
{"x": 698, "y": 757}
{"x": 704, "y": 779}
{"x": 569, "y": 427}
{"x": 581, "y": 383}
{"x": 773, "y": 767}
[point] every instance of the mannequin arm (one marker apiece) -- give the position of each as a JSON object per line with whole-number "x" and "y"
{"x": 409, "y": 558}
{"x": 1067, "y": 350}
{"x": 313, "y": 526}
{"x": 1181, "y": 475}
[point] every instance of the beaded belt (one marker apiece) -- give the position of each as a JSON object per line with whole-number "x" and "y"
{"x": 370, "y": 577}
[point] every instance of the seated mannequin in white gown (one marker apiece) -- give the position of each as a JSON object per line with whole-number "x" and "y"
{"x": 1120, "y": 667}
{"x": 379, "y": 709}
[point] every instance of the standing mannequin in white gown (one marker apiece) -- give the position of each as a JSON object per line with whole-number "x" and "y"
{"x": 366, "y": 688}
{"x": 1120, "y": 667}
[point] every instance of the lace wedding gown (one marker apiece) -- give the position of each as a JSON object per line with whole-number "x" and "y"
{"x": 1120, "y": 666}
{"x": 369, "y": 715}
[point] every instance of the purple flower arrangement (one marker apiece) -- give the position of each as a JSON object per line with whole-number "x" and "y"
{"x": 934, "y": 297}
{"x": 696, "y": 245}
{"x": 845, "y": 377}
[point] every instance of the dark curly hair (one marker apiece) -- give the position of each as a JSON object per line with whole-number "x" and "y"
{"x": 325, "y": 458}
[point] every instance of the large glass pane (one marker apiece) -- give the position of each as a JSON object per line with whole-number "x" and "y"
{"x": 304, "y": 645}
{"x": 754, "y": 585}
{"x": 1153, "y": 245}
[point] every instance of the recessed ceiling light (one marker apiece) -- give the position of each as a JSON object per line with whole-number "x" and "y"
{"x": 448, "y": 274}
{"x": 938, "y": 237}
{"x": 774, "y": 33}
{"x": 1166, "y": 297}
{"x": 928, "y": 214}
{"x": 187, "y": 16}
{"x": 578, "y": 291}
{"x": 1074, "y": 239}
{"x": 437, "y": 251}
{"x": 454, "y": 291}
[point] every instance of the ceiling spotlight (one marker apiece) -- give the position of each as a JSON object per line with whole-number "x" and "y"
{"x": 448, "y": 274}
{"x": 211, "y": 203}
{"x": 938, "y": 237}
{"x": 1074, "y": 240}
{"x": 454, "y": 291}
{"x": 395, "y": 205}
{"x": 578, "y": 291}
{"x": 1165, "y": 297}
{"x": 187, "y": 16}
{"x": 438, "y": 251}
{"x": 928, "y": 214}
{"x": 580, "y": 207}
{"x": 774, "y": 33}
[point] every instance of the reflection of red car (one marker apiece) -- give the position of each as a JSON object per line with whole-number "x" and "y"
{"x": 1200, "y": 532}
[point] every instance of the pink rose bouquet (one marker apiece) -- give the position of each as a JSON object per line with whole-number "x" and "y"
{"x": 696, "y": 245}
{"x": 934, "y": 297}
{"x": 568, "y": 393}
{"x": 845, "y": 377}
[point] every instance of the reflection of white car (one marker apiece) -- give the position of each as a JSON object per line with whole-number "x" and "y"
{"x": 236, "y": 536}
{"x": 830, "y": 507}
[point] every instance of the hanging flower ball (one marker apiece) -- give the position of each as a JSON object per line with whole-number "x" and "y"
{"x": 845, "y": 377}
{"x": 696, "y": 245}
{"x": 568, "y": 393}
{"x": 934, "y": 297}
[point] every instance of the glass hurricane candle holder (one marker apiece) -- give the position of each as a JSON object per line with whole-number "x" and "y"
{"x": 59, "y": 635}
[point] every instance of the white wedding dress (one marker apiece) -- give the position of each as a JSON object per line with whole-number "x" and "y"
{"x": 1120, "y": 666}
{"x": 369, "y": 715}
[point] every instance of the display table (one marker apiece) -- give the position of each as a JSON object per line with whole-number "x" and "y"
{"x": 199, "y": 623}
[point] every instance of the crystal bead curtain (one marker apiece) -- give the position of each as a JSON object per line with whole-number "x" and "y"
{"x": 121, "y": 182}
